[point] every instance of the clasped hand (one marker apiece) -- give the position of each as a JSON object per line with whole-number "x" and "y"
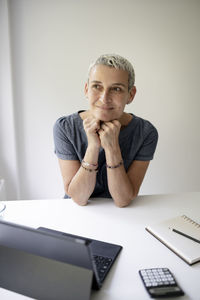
{"x": 104, "y": 134}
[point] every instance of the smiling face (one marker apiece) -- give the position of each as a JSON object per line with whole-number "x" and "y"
{"x": 107, "y": 92}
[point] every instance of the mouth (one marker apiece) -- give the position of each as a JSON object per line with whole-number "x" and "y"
{"x": 105, "y": 107}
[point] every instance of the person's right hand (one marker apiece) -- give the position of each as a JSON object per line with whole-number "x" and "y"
{"x": 91, "y": 126}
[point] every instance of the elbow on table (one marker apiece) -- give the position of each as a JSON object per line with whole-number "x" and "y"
{"x": 121, "y": 203}
{"x": 77, "y": 199}
{"x": 80, "y": 201}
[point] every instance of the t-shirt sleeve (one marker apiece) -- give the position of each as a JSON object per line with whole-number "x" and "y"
{"x": 148, "y": 147}
{"x": 63, "y": 142}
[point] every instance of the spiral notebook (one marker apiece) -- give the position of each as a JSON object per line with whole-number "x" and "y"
{"x": 181, "y": 235}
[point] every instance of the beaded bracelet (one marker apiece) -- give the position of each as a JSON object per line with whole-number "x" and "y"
{"x": 114, "y": 167}
{"x": 88, "y": 164}
{"x": 89, "y": 170}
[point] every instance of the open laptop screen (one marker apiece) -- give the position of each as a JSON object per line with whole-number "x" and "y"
{"x": 44, "y": 266}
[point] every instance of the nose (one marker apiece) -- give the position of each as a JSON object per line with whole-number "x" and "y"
{"x": 105, "y": 97}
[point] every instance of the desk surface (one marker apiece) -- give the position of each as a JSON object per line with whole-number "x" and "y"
{"x": 102, "y": 220}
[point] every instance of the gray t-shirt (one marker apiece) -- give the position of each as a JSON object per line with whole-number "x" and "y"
{"x": 137, "y": 141}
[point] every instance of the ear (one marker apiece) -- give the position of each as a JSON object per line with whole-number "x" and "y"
{"x": 132, "y": 93}
{"x": 86, "y": 89}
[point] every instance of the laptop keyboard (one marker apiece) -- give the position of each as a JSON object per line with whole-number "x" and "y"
{"x": 103, "y": 265}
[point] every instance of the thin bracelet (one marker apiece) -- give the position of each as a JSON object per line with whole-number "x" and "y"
{"x": 89, "y": 170}
{"x": 116, "y": 166}
{"x": 88, "y": 164}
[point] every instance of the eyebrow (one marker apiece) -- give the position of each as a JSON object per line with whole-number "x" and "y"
{"x": 115, "y": 83}
{"x": 119, "y": 83}
{"x": 96, "y": 81}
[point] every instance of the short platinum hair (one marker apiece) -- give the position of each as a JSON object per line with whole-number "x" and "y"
{"x": 117, "y": 62}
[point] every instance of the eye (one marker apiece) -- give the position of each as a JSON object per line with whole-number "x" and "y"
{"x": 96, "y": 86}
{"x": 117, "y": 89}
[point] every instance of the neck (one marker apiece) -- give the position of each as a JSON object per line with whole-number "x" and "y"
{"x": 125, "y": 119}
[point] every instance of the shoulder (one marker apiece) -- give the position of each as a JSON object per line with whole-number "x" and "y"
{"x": 66, "y": 120}
{"x": 144, "y": 126}
{"x": 65, "y": 123}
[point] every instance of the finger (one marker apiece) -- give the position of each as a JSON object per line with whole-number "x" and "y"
{"x": 116, "y": 123}
{"x": 91, "y": 123}
{"x": 108, "y": 125}
{"x": 95, "y": 125}
{"x": 103, "y": 126}
{"x": 90, "y": 118}
{"x": 100, "y": 131}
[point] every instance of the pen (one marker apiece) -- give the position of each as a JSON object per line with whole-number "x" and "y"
{"x": 187, "y": 236}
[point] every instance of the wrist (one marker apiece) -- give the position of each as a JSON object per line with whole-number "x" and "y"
{"x": 115, "y": 166}
{"x": 93, "y": 147}
{"x": 113, "y": 152}
{"x": 90, "y": 159}
{"x": 113, "y": 156}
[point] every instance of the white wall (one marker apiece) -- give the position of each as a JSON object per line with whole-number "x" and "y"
{"x": 8, "y": 154}
{"x": 52, "y": 44}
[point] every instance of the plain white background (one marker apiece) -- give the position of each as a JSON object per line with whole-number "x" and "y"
{"x": 46, "y": 48}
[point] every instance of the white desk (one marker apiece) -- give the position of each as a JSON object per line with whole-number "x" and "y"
{"x": 102, "y": 220}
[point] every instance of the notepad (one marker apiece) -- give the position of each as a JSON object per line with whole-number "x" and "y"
{"x": 184, "y": 247}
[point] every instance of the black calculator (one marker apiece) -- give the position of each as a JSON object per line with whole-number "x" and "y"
{"x": 160, "y": 282}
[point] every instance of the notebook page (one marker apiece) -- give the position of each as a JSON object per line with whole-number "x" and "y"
{"x": 186, "y": 225}
{"x": 187, "y": 249}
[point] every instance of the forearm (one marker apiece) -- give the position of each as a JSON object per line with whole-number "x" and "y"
{"x": 120, "y": 187}
{"x": 83, "y": 183}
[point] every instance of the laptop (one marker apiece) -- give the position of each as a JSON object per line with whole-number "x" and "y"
{"x": 47, "y": 264}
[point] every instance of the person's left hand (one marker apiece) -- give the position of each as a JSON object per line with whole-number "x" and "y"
{"x": 109, "y": 134}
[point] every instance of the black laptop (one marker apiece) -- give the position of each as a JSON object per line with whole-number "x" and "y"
{"x": 47, "y": 264}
